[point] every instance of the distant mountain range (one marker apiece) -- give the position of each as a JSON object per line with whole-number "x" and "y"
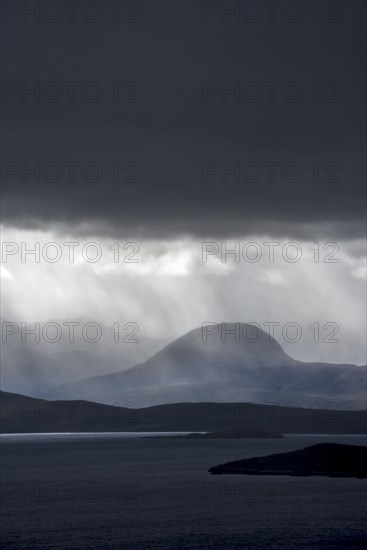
{"x": 23, "y": 414}
{"x": 255, "y": 369}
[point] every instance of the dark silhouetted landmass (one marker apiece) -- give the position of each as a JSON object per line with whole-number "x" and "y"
{"x": 324, "y": 459}
{"x": 22, "y": 414}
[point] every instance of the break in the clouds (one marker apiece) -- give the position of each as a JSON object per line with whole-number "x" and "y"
{"x": 181, "y": 120}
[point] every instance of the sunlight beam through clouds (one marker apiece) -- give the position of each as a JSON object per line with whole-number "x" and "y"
{"x": 168, "y": 289}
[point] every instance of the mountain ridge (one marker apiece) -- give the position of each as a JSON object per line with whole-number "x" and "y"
{"x": 190, "y": 369}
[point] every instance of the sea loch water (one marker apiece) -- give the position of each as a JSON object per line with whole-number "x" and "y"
{"x": 107, "y": 491}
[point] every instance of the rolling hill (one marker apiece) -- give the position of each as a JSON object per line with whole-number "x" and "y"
{"x": 24, "y": 414}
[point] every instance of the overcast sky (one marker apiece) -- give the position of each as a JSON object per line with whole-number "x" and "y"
{"x": 174, "y": 124}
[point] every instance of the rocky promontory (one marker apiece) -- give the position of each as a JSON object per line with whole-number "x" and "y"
{"x": 324, "y": 459}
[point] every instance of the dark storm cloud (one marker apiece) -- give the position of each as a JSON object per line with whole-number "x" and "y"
{"x": 164, "y": 148}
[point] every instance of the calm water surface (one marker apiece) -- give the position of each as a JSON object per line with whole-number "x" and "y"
{"x": 110, "y": 491}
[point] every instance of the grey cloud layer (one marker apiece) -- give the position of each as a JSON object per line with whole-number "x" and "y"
{"x": 170, "y": 132}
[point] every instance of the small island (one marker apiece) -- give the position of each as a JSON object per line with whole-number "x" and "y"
{"x": 324, "y": 459}
{"x": 233, "y": 433}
